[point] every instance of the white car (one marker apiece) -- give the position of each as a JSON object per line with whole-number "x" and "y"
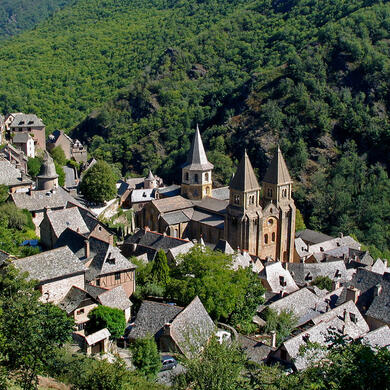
{"x": 222, "y": 336}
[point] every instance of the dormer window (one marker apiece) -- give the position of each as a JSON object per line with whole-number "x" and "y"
{"x": 282, "y": 281}
{"x": 337, "y": 274}
{"x": 353, "y": 317}
{"x": 309, "y": 276}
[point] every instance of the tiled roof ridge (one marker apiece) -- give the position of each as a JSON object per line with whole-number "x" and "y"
{"x": 165, "y": 235}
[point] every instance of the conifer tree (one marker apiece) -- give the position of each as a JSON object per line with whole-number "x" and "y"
{"x": 160, "y": 269}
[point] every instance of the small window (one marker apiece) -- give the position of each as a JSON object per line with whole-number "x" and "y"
{"x": 282, "y": 282}
{"x": 337, "y": 274}
{"x": 273, "y": 237}
{"x": 308, "y": 276}
{"x": 236, "y": 199}
{"x": 353, "y": 317}
{"x": 206, "y": 176}
{"x": 186, "y": 176}
{"x": 270, "y": 222}
{"x": 265, "y": 238}
{"x": 81, "y": 311}
{"x": 98, "y": 282}
{"x": 117, "y": 276}
{"x": 196, "y": 178}
{"x": 269, "y": 192}
{"x": 284, "y": 193}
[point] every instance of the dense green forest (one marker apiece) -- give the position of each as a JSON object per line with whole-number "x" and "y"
{"x": 20, "y": 15}
{"x": 308, "y": 74}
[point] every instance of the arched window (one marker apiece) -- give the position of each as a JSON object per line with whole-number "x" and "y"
{"x": 273, "y": 237}
{"x": 265, "y": 238}
{"x": 251, "y": 199}
{"x": 206, "y": 176}
{"x": 269, "y": 192}
{"x": 186, "y": 176}
{"x": 284, "y": 193}
{"x": 236, "y": 199}
{"x": 196, "y": 178}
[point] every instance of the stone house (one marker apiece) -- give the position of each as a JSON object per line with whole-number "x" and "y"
{"x": 176, "y": 329}
{"x": 15, "y": 156}
{"x": 56, "y": 271}
{"x": 25, "y": 143}
{"x": 277, "y": 279}
{"x": 72, "y": 148}
{"x": 97, "y": 342}
{"x": 343, "y": 320}
{"x": 31, "y": 124}
{"x": 13, "y": 178}
{"x": 117, "y": 299}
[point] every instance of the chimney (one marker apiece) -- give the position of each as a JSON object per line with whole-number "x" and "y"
{"x": 352, "y": 294}
{"x": 378, "y": 290}
{"x": 273, "y": 339}
{"x": 86, "y": 248}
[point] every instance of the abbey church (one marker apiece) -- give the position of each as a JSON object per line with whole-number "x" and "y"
{"x": 260, "y": 220}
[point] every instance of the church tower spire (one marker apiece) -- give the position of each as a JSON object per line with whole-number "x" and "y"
{"x": 196, "y": 172}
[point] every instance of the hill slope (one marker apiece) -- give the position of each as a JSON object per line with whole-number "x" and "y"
{"x": 20, "y": 15}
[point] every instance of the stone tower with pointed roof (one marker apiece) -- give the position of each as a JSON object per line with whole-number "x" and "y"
{"x": 150, "y": 181}
{"x": 262, "y": 225}
{"x": 277, "y": 194}
{"x": 196, "y": 172}
{"x": 48, "y": 177}
{"x": 244, "y": 213}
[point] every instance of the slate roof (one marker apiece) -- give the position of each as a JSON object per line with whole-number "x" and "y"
{"x": 301, "y": 247}
{"x": 346, "y": 241}
{"x": 175, "y": 217}
{"x": 21, "y": 138}
{"x": 67, "y": 218}
{"x": 210, "y": 204}
{"x": 135, "y": 182}
{"x": 74, "y": 298}
{"x": 56, "y": 263}
{"x": 94, "y": 291}
{"x": 149, "y": 239}
{"x": 143, "y": 195}
{"x": 192, "y": 328}
{"x": 151, "y": 318}
{"x": 75, "y": 241}
{"x": 271, "y": 273}
{"x": 181, "y": 249}
{"x": 208, "y": 218}
{"x": 115, "y": 298}
{"x": 70, "y": 177}
{"x": 363, "y": 256}
{"x": 224, "y": 247}
{"x": 171, "y": 204}
{"x": 26, "y": 120}
{"x": 380, "y": 267}
{"x": 374, "y": 299}
{"x": 97, "y": 336}
{"x": 172, "y": 190}
{"x": 11, "y": 176}
{"x": 337, "y": 320}
{"x": 196, "y": 158}
{"x": 378, "y": 338}
{"x": 241, "y": 260}
{"x": 277, "y": 172}
{"x": 312, "y": 237}
{"x": 106, "y": 260}
{"x": 222, "y": 193}
{"x": 38, "y": 200}
{"x": 305, "y": 273}
{"x": 244, "y": 178}
{"x": 255, "y": 350}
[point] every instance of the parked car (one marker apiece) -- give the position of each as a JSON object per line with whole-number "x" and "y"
{"x": 222, "y": 336}
{"x": 168, "y": 362}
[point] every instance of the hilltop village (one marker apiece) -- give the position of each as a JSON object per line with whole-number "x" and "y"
{"x": 81, "y": 261}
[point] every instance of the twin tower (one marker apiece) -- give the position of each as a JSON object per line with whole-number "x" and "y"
{"x": 258, "y": 219}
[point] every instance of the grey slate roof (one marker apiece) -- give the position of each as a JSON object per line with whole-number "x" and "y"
{"x": 38, "y": 200}
{"x": 224, "y": 247}
{"x": 115, "y": 298}
{"x": 26, "y": 120}
{"x": 305, "y": 273}
{"x": 74, "y": 298}
{"x": 277, "y": 172}
{"x": 378, "y": 338}
{"x": 196, "y": 158}
{"x": 255, "y": 350}
{"x": 56, "y": 263}
{"x": 70, "y": 177}
{"x": 106, "y": 260}
{"x": 171, "y": 204}
{"x": 172, "y": 190}
{"x": 67, "y": 218}
{"x": 10, "y": 176}
{"x": 151, "y": 318}
{"x": 210, "y": 204}
{"x": 94, "y": 291}
{"x": 97, "y": 336}
{"x": 21, "y": 138}
{"x": 312, "y": 237}
{"x": 244, "y": 178}
{"x": 143, "y": 195}
{"x": 192, "y": 328}
{"x": 222, "y": 193}
{"x": 175, "y": 217}
{"x": 208, "y": 218}
{"x": 272, "y": 272}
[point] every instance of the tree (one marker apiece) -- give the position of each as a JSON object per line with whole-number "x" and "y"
{"x": 217, "y": 367}
{"x": 34, "y": 166}
{"x": 160, "y": 268}
{"x": 99, "y": 183}
{"x": 299, "y": 222}
{"x": 282, "y": 323}
{"x": 30, "y": 331}
{"x": 58, "y": 155}
{"x": 4, "y": 193}
{"x": 323, "y": 282}
{"x": 60, "y": 173}
{"x": 107, "y": 317}
{"x": 146, "y": 357}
